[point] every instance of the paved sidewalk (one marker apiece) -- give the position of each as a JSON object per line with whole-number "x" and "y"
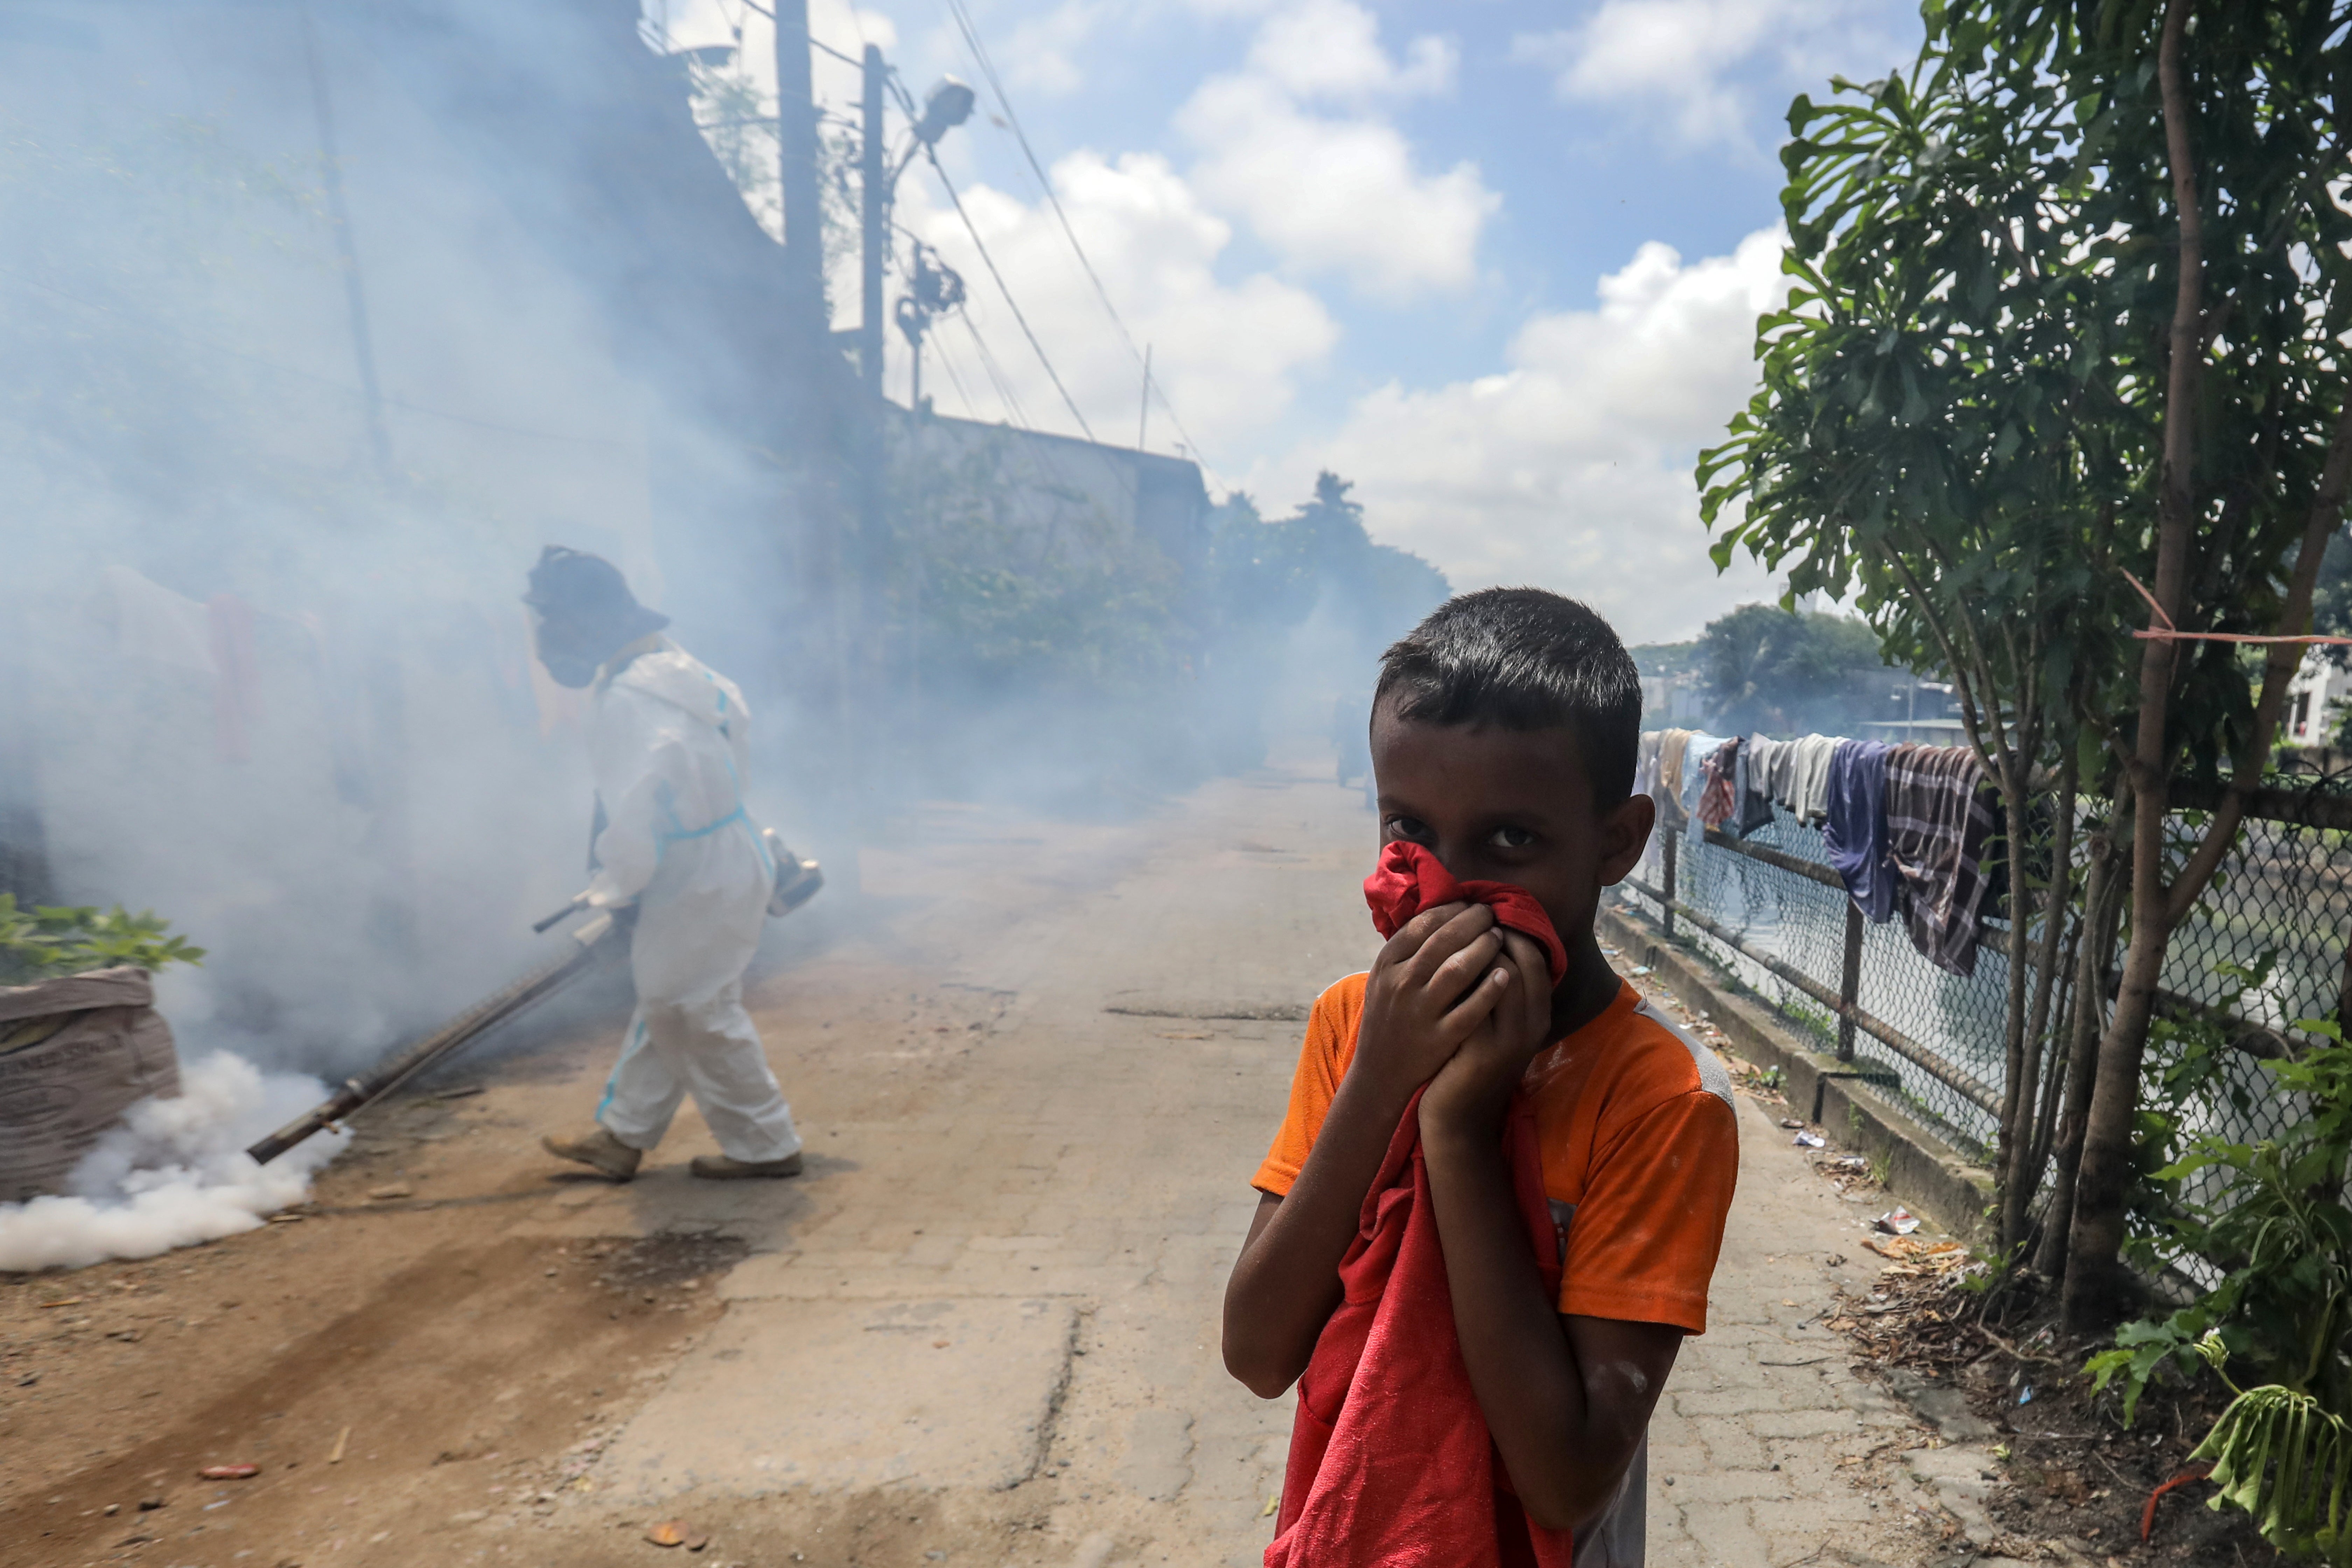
{"x": 1768, "y": 1449}
{"x": 984, "y": 1326}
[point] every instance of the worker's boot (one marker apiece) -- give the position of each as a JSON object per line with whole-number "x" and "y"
{"x": 721, "y": 1168}
{"x": 600, "y": 1148}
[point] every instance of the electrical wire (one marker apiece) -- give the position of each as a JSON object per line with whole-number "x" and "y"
{"x": 963, "y": 22}
{"x": 996, "y": 379}
{"x": 940, "y": 354}
{"x": 981, "y": 246}
{"x": 815, "y": 42}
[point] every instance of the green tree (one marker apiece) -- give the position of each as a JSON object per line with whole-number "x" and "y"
{"x": 2331, "y": 597}
{"x": 1267, "y": 578}
{"x": 2068, "y": 305}
{"x": 1376, "y": 591}
{"x": 1767, "y": 668}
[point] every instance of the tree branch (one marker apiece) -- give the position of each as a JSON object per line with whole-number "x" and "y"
{"x": 2278, "y": 668}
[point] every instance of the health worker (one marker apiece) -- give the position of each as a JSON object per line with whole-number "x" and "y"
{"x": 674, "y": 846}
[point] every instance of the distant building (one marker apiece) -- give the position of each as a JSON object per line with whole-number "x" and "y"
{"x": 1061, "y": 489}
{"x": 1670, "y": 700}
{"x": 2318, "y": 702}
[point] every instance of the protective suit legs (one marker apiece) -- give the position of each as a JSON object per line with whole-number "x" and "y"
{"x": 710, "y": 1049}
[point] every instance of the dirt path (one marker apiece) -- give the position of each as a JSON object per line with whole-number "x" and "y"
{"x": 1037, "y": 1063}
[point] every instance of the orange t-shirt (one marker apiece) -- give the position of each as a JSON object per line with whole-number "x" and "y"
{"x": 1639, "y": 1142}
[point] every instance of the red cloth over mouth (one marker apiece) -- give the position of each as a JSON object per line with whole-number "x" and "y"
{"x": 1409, "y": 879}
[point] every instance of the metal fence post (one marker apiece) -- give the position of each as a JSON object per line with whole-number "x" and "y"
{"x": 1668, "y": 885}
{"x": 1850, "y": 979}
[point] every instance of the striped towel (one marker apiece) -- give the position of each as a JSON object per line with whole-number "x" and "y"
{"x": 1937, "y": 820}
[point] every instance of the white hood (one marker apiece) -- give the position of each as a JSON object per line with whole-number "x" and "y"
{"x": 677, "y": 677}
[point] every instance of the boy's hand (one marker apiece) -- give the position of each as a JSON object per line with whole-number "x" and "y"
{"x": 1433, "y": 988}
{"x": 1473, "y": 1087}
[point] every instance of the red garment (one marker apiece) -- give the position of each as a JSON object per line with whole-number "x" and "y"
{"x": 1390, "y": 1462}
{"x": 1410, "y": 880}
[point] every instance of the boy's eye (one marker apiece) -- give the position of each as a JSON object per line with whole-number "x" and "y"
{"x": 1410, "y": 827}
{"x": 1511, "y": 838}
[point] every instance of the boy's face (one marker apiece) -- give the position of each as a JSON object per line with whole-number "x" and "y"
{"x": 1506, "y": 805}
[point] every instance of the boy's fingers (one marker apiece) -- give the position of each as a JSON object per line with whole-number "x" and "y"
{"x": 1415, "y": 932}
{"x": 1461, "y": 969}
{"x": 1476, "y": 1004}
{"x": 1451, "y": 934}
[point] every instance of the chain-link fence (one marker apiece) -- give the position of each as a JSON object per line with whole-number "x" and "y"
{"x": 2267, "y": 946}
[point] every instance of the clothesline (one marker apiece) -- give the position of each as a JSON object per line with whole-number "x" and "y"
{"x": 2169, "y": 633}
{"x": 1906, "y": 826}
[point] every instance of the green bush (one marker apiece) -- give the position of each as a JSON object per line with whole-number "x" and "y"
{"x": 2277, "y": 1224}
{"x": 37, "y": 944}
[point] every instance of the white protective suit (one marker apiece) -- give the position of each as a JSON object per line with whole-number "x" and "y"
{"x": 666, "y": 740}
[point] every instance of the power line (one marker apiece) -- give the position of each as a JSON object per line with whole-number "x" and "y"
{"x": 996, "y": 378}
{"x": 988, "y": 69}
{"x": 981, "y": 246}
{"x": 939, "y": 353}
{"x": 815, "y": 42}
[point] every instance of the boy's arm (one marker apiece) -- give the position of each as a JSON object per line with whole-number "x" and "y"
{"x": 1433, "y": 984}
{"x": 1567, "y": 1398}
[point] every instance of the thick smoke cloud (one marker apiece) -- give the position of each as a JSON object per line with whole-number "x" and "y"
{"x": 319, "y": 329}
{"x": 174, "y": 1173}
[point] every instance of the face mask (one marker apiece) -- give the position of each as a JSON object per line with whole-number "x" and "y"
{"x": 566, "y": 670}
{"x": 567, "y": 655}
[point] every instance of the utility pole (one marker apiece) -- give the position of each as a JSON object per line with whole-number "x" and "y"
{"x": 1143, "y": 419}
{"x": 339, "y": 221}
{"x": 796, "y": 154}
{"x": 873, "y": 210}
{"x": 874, "y": 213}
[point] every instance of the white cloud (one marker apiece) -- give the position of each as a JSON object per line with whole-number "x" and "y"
{"x": 1696, "y": 61}
{"x": 1040, "y": 56}
{"x": 1337, "y": 192}
{"x": 1331, "y": 49}
{"x": 1571, "y": 468}
{"x": 1228, "y": 355}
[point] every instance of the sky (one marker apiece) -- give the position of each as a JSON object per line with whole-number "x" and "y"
{"x": 1498, "y": 264}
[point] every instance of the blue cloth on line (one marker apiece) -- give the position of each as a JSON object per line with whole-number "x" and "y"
{"x": 1855, "y": 833}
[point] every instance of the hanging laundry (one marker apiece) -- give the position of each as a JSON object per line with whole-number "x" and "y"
{"x": 1808, "y": 793}
{"x": 1645, "y": 763}
{"x": 1672, "y": 743}
{"x": 1937, "y": 822}
{"x": 1754, "y": 804}
{"x": 1717, "y": 795}
{"x": 1696, "y": 751}
{"x": 1855, "y": 832}
{"x": 1772, "y": 767}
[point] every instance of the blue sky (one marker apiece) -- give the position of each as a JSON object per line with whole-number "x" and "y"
{"x": 1497, "y": 263}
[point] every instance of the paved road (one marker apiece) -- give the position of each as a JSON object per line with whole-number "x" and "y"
{"x": 983, "y": 1328}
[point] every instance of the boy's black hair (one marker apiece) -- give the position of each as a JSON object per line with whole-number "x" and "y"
{"x": 1523, "y": 658}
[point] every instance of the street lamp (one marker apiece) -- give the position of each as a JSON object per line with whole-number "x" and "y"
{"x": 945, "y": 107}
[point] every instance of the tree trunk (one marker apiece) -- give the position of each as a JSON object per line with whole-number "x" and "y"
{"x": 2017, "y": 1090}
{"x": 2021, "y": 1169}
{"x": 2098, "y": 1288}
{"x": 2104, "y": 886}
{"x": 2095, "y": 1289}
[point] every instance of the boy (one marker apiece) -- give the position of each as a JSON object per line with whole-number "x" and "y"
{"x": 1503, "y": 731}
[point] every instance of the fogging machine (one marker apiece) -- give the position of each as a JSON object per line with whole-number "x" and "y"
{"x": 599, "y": 941}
